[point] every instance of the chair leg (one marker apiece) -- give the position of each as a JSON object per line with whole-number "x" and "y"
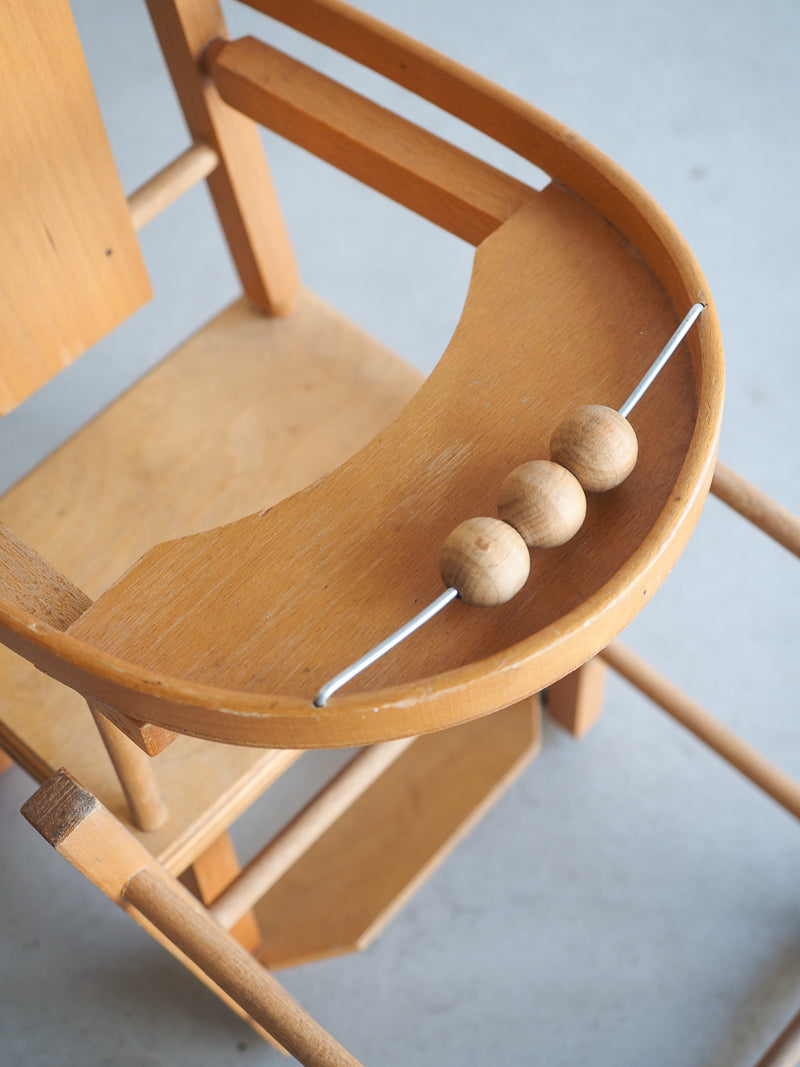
{"x": 135, "y": 772}
{"x": 575, "y": 702}
{"x": 77, "y": 825}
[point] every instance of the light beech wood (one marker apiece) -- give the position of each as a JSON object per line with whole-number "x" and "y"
{"x": 775, "y": 783}
{"x": 135, "y": 772}
{"x": 507, "y": 119}
{"x": 420, "y": 171}
{"x": 543, "y": 502}
{"x": 275, "y": 859}
{"x": 584, "y": 592}
{"x": 234, "y": 970}
{"x": 210, "y": 875}
{"x": 597, "y": 444}
{"x": 80, "y": 261}
{"x": 83, "y": 831}
{"x": 36, "y": 587}
{"x": 349, "y": 885}
{"x": 576, "y": 701}
{"x": 185, "y": 448}
{"x": 754, "y": 505}
{"x": 164, "y": 188}
{"x": 486, "y": 560}
{"x": 241, "y": 185}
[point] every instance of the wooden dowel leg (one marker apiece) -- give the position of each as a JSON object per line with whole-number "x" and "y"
{"x": 576, "y": 701}
{"x": 82, "y": 830}
{"x": 785, "y": 1050}
{"x": 764, "y": 512}
{"x": 774, "y": 782}
{"x": 264, "y": 870}
{"x": 234, "y": 970}
{"x": 135, "y": 772}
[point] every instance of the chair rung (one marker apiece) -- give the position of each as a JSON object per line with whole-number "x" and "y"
{"x": 299, "y": 835}
{"x": 752, "y": 504}
{"x": 774, "y": 782}
{"x": 177, "y": 178}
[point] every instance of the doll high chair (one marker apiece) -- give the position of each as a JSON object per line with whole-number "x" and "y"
{"x": 220, "y": 611}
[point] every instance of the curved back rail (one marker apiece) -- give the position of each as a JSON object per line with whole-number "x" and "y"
{"x": 230, "y": 633}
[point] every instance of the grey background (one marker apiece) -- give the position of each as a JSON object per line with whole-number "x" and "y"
{"x": 630, "y": 900}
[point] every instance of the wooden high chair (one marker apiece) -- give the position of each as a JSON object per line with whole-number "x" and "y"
{"x": 271, "y": 500}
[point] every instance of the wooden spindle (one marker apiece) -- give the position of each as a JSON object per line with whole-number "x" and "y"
{"x": 275, "y": 859}
{"x": 187, "y": 926}
{"x": 135, "y": 772}
{"x": 774, "y": 782}
{"x": 767, "y": 514}
{"x": 177, "y": 178}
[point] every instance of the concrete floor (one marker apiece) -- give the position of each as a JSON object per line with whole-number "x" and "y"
{"x": 630, "y": 900}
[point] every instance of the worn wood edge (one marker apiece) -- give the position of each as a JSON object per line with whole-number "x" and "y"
{"x": 149, "y": 738}
{"x": 58, "y": 808}
{"x": 170, "y": 183}
{"x": 74, "y": 822}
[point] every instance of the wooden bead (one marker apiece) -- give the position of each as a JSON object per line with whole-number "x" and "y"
{"x": 597, "y": 444}
{"x": 486, "y": 560}
{"x": 543, "y": 502}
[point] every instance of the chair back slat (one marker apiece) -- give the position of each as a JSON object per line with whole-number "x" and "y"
{"x": 75, "y": 270}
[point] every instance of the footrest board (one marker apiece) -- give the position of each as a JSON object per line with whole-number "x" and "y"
{"x": 347, "y": 887}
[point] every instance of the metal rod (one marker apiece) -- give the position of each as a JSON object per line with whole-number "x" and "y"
{"x": 661, "y": 359}
{"x": 327, "y": 691}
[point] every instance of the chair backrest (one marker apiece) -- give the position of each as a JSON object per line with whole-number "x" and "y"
{"x": 72, "y": 269}
{"x": 574, "y": 291}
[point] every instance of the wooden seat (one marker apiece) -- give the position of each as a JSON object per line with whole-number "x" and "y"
{"x": 271, "y": 500}
{"x": 133, "y": 477}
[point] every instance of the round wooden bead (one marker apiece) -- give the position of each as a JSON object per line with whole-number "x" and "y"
{"x": 597, "y": 444}
{"x": 486, "y": 560}
{"x": 543, "y": 502}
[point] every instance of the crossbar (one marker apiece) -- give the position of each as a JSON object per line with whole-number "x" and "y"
{"x": 412, "y": 166}
{"x": 761, "y": 772}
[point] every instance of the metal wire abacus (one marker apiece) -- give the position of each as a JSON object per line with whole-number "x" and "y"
{"x": 541, "y": 504}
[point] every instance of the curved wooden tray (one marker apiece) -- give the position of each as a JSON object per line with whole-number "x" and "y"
{"x": 229, "y": 634}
